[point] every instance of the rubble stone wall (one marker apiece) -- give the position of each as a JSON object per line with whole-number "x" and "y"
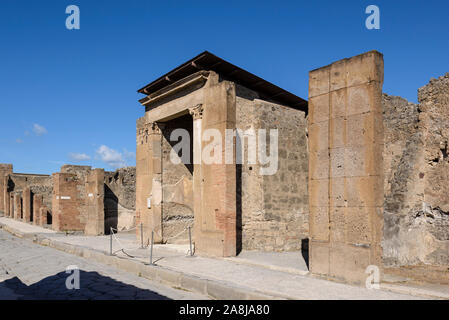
{"x": 416, "y": 218}
{"x": 274, "y": 208}
{"x": 120, "y": 198}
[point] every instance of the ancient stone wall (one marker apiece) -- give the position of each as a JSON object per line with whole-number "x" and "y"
{"x": 346, "y": 167}
{"x": 5, "y": 169}
{"x": 27, "y": 186}
{"x": 416, "y": 220}
{"x": 69, "y": 204}
{"x": 274, "y": 208}
{"x": 402, "y": 157}
{"x": 120, "y": 198}
{"x": 147, "y": 145}
{"x": 95, "y": 222}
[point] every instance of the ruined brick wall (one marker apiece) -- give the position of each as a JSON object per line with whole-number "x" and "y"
{"x": 81, "y": 174}
{"x": 69, "y": 201}
{"x": 177, "y": 181}
{"x": 120, "y": 198}
{"x": 30, "y": 185}
{"x": 274, "y": 208}
{"x": 416, "y": 219}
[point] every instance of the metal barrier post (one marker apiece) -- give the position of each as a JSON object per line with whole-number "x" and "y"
{"x": 190, "y": 240}
{"x": 141, "y": 235}
{"x": 151, "y": 248}
{"x": 110, "y": 243}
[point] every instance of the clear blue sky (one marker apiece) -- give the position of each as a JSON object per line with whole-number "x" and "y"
{"x": 70, "y": 96}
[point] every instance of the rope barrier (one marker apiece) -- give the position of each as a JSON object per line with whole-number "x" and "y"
{"x": 121, "y": 245}
{"x": 123, "y": 248}
{"x": 133, "y": 228}
{"x": 177, "y": 235}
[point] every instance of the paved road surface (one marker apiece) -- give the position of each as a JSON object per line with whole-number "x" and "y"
{"x": 30, "y": 271}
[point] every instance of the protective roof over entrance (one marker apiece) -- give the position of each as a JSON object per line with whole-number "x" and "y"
{"x": 209, "y": 62}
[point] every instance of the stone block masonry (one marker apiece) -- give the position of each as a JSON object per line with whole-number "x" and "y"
{"x": 345, "y": 167}
{"x": 274, "y": 208}
{"x": 94, "y": 224}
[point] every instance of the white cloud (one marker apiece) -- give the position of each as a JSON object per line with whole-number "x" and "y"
{"x": 78, "y": 156}
{"x": 19, "y": 140}
{"x": 111, "y": 157}
{"x": 39, "y": 130}
{"x": 129, "y": 155}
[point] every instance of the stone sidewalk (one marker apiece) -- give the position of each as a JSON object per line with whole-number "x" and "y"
{"x": 214, "y": 277}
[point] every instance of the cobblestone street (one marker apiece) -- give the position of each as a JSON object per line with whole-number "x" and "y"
{"x": 29, "y": 271}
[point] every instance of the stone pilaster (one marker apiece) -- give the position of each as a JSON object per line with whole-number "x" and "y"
{"x": 37, "y": 204}
{"x": 346, "y": 167}
{"x": 5, "y": 170}
{"x": 197, "y": 115}
{"x": 17, "y": 206}
{"x": 95, "y": 203}
{"x": 26, "y": 205}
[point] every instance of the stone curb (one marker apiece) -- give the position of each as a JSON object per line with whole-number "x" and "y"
{"x": 413, "y": 291}
{"x": 213, "y": 288}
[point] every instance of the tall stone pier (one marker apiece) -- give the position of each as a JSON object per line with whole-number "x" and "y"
{"x": 5, "y": 170}
{"x": 346, "y": 167}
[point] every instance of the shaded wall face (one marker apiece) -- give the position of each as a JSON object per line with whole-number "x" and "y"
{"x": 273, "y": 208}
{"x": 120, "y": 199}
{"x": 417, "y": 171}
{"x": 345, "y": 167}
{"x": 177, "y": 182}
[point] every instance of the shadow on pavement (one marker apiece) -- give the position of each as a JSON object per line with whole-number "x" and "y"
{"x": 93, "y": 286}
